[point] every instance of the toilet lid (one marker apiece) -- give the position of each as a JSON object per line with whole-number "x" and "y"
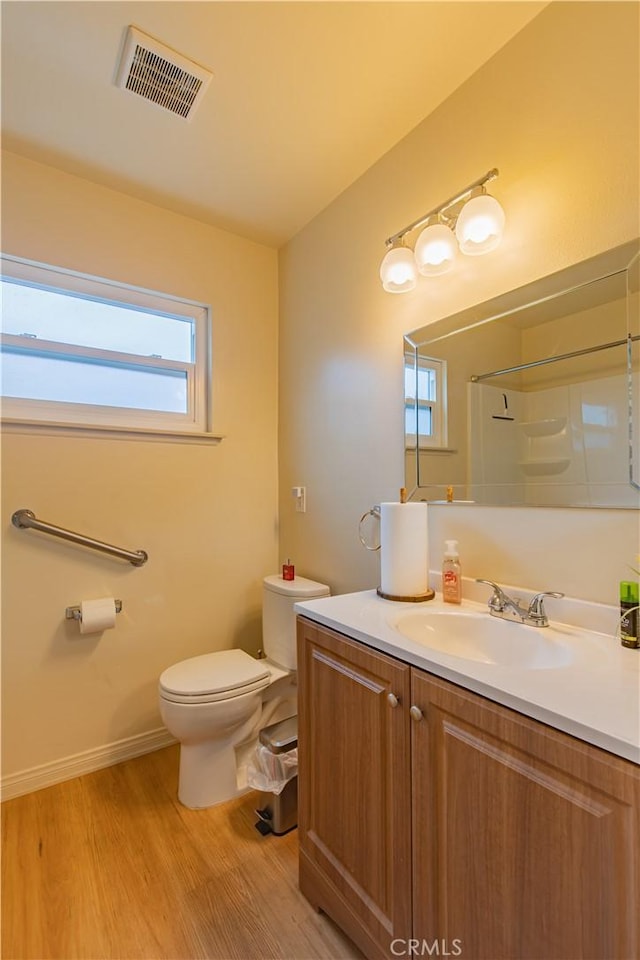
{"x": 213, "y": 673}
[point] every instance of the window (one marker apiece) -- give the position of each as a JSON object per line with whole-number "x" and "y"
{"x": 425, "y": 404}
{"x": 82, "y": 351}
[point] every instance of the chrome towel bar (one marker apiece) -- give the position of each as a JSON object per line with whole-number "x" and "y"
{"x": 23, "y": 519}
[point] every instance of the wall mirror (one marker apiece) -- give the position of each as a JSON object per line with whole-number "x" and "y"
{"x": 532, "y": 398}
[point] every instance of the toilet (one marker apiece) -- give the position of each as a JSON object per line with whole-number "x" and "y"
{"x": 216, "y": 704}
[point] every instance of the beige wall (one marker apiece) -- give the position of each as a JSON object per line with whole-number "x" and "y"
{"x": 557, "y": 112}
{"x": 205, "y": 514}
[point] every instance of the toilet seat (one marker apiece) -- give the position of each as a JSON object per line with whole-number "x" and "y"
{"x": 214, "y": 676}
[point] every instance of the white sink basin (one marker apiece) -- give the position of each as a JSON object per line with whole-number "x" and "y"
{"x": 486, "y": 639}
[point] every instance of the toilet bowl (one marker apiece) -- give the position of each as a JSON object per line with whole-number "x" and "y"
{"x": 217, "y": 703}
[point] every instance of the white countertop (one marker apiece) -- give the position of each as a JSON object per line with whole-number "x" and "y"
{"x": 595, "y": 696}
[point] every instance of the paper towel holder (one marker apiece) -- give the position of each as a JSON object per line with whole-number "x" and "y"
{"x": 429, "y": 595}
{"x": 375, "y": 512}
{"x": 75, "y": 613}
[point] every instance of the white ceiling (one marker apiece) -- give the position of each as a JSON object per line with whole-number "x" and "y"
{"x": 305, "y": 96}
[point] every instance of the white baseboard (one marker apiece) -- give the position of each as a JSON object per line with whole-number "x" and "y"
{"x": 36, "y": 778}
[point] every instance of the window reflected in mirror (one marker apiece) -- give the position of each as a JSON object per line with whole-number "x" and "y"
{"x": 425, "y": 398}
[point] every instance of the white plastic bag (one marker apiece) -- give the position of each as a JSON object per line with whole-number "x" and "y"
{"x": 271, "y": 772}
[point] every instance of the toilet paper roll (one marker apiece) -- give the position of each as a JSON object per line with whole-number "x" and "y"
{"x": 97, "y": 615}
{"x": 404, "y": 549}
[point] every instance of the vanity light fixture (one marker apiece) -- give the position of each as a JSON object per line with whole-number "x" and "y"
{"x": 480, "y": 224}
{"x": 472, "y": 217}
{"x": 398, "y": 270}
{"x": 435, "y": 250}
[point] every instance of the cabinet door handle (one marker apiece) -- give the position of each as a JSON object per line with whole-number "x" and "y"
{"x": 416, "y": 713}
{"x": 392, "y": 700}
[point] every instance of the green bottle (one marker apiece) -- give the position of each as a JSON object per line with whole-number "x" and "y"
{"x": 629, "y": 619}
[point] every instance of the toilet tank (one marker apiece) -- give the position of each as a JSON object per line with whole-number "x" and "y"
{"x": 278, "y": 616}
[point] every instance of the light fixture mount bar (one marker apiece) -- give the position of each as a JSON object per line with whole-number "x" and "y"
{"x": 480, "y": 182}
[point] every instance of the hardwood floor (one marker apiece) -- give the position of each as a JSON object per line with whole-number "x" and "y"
{"x": 110, "y": 865}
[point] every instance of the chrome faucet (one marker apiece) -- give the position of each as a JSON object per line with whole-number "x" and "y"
{"x": 500, "y": 605}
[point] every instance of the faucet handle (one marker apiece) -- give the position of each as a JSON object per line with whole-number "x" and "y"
{"x": 536, "y": 607}
{"x": 498, "y": 598}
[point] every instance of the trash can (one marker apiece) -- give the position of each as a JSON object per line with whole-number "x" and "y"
{"x": 275, "y": 770}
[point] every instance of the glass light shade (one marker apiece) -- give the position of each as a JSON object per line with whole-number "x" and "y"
{"x": 435, "y": 250}
{"x": 480, "y": 225}
{"x": 398, "y": 270}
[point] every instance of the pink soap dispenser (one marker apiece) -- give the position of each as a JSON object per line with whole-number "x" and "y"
{"x": 451, "y": 573}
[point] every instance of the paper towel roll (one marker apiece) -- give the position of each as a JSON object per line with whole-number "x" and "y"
{"x": 97, "y": 615}
{"x": 404, "y": 549}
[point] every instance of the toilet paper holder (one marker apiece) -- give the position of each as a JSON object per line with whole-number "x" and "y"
{"x": 75, "y": 613}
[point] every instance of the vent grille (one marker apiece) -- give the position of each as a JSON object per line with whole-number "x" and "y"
{"x": 159, "y": 74}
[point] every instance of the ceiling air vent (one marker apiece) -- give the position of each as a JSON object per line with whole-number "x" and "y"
{"x": 161, "y": 75}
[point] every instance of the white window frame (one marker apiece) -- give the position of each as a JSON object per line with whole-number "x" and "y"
{"x": 196, "y": 422}
{"x": 438, "y": 438}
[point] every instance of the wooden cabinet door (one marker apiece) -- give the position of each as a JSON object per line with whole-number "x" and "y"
{"x": 354, "y": 807}
{"x": 526, "y": 841}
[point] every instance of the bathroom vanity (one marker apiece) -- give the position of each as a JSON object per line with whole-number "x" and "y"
{"x": 488, "y": 808}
